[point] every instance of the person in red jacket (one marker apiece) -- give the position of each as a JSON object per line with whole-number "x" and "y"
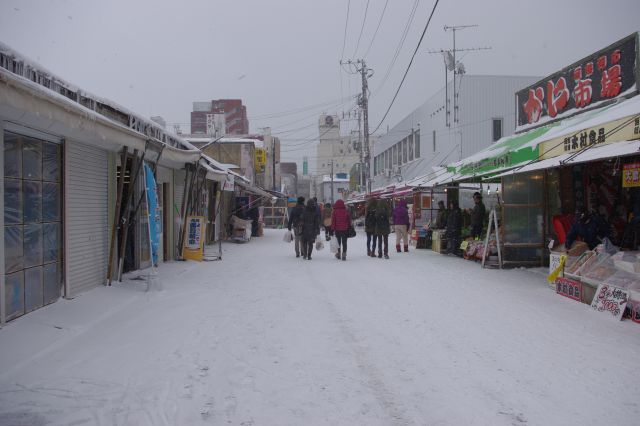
{"x": 340, "y": 222}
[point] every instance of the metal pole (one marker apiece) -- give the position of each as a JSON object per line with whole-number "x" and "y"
{"x": 331, "y": 182}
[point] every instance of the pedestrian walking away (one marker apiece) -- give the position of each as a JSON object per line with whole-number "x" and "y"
{"x": 401, "y": 225}
{"x": 310, "y": 228}
{"x": 383, "y": 228}
{"x": 340, "y": 221}
{"x": 326, "y": 221}
{"x": 295, "y": 223}
{"x": 370, "y": 226}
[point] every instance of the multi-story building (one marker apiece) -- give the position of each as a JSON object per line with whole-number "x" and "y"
{"x": 220, "y": 117}
{"x": 440, "y": 132}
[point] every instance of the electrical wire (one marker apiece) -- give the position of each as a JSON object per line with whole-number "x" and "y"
{"x": 377, "y": 28}
{"x": 409, "y": 66}
{"x": 346, "y": 23}
{"x": 400, "y": 44}
{"x": 364, "y": 20}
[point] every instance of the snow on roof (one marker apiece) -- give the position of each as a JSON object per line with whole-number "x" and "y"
{"x": 50, "y": 85}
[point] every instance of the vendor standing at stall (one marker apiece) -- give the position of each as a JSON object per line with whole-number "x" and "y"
{"x": 477, "y": 216}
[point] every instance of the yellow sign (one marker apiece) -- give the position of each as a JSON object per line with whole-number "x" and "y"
{"x": 631, "y": 175}
{"x": 194, "y": 240}
{"x": 261, "y": 159}
{"x": 624, "y": 129}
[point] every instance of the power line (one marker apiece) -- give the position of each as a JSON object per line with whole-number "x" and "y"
{"x": 377, "y": 28}
{"x": 364, "y": 20}
{"x": 346, "y": 23}
{"x": 400, "y": 44}
{"x": 409, "y": 66}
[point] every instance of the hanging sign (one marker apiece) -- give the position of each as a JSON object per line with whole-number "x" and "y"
{"x": 631, "y": 175}
{"x": 569, "y": 288}
{"x": 194, "y": 241}
{"x": 604, "y": 75}
{"x": 155, "y": 221}
{"x": 610, "y": 299}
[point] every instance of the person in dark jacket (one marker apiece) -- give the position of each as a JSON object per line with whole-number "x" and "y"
{"x": 340, "y": 221}
{"x": 370, "y": 226}
{"x": 441, "y": 218}
{"x": 295, "y": 222}
{"x": 383, "y": 228}
{"x": 454, "y": 228}
{"x": 477, "y": 216}
{"x": 590, "y": 227}
{"x": 401, "y": 225}
{"x": 310, "y": 228}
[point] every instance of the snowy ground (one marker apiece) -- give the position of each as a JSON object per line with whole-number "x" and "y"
{"x": 263, "y": 338}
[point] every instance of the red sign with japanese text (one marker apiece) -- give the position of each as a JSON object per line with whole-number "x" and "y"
{"x": 569, "y": 288}
{"x": 631, "y": 175}
{"x": 600, "y": 77}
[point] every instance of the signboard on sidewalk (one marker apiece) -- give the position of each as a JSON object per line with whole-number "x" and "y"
{"x": 194, "y": 241}
{"x": 610, "y": 299}
{"x": 569, "y": 288}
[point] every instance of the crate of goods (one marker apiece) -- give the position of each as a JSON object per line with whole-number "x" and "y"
{"x": 439, "y": 243}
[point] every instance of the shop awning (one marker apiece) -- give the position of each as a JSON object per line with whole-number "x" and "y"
{"x": 618, "y": 149}
{"x": 254, "y": 189}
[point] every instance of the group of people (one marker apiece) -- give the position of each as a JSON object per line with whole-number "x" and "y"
{"x": 451, "y": 221}
{"x": 307, "y": 219}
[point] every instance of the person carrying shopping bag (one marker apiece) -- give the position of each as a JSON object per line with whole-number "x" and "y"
{"x": 295, "y": 222}
{"x": 326, "y": 221}
{"x": 370, "y": 226}
{"x": 340, "y": 222}
{"x": 310, "y": 228}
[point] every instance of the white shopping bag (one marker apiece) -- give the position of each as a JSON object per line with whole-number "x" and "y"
{"x": 333, "y": 245}
{"x": 287, "y": 237}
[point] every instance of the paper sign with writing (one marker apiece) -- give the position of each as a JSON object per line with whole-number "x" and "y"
{"x": 631, "y": 175}
{"x": 610, "y": 299}
{"x": 569, "y": 288}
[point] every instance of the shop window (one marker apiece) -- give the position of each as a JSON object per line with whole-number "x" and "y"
{"x": 497, "y": 129}
{"x": 416, "y": 143}
{"x": 434, "y": 141}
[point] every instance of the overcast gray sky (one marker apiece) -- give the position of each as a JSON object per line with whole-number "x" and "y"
{"x": 156, "y": 57}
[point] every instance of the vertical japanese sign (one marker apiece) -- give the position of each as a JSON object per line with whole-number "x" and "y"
{"x": 605, "y": 75}
{"x": 155, "y": 221}
{"x": 631, "y": 175}
{"x": 610, "y": 299}
{"x": 194, "y": 241}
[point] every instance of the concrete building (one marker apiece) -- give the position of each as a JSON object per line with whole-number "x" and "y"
{"x": 435, "y": 134}
{"x": 220, "y": 117}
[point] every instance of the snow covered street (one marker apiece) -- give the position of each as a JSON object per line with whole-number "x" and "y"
{"x": 263, "y": 338}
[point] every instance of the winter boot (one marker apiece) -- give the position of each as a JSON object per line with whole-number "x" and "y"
{"x": 386, "y": 256}
{"x": 338, "y": 254}
{"x": 344, "y": 255}
{"x": 406, "y": 248}
{"x": 369, "y": 253}
{"x": 398, "y": 248}
{"x": 380, "y": 255}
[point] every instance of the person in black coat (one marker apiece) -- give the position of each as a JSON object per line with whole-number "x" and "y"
{"x": 295, "y": 222}
{"x": 590, "y": 227}
{"x": 477, "y": 216}
{"x": 454, "y": 228}
{"x": 310, "y": 228}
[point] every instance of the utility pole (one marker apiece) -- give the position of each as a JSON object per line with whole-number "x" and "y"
{"x": 331, "y": 182}
{"x": 366, "y": 73}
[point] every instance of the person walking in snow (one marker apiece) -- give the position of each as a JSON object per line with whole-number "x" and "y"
{"x": 370, "y": 226}
{"x": 295, "y": 223}
{"x": 340, "y": 221}
{"x": 383, "y": 228}
{"x": 401, "y": 225}
{"x": 310, "y": 228}
{"x": 326, "y": 221}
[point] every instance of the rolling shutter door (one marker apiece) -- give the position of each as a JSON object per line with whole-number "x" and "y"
{"x": 87, "y": 217}
{"x": 178, "y": 185}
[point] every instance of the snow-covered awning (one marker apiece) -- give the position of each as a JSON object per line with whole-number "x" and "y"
{"x": 619, "y": 149}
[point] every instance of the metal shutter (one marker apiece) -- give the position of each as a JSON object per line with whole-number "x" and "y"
{"x": 87, "y": 217}
{"x": 178, "y": 188}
